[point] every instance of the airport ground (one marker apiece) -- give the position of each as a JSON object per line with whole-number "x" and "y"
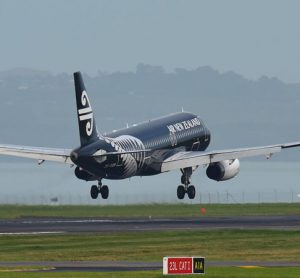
{"x": 152, "y": 210}
{"x": 265, "y": 252}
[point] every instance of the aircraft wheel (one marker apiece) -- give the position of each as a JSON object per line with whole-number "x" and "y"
{"x": 180, "y": 192}
{"x": 191, "y": 192}
{"x": 104, "y": 191}
{"x": 94, "y": 192}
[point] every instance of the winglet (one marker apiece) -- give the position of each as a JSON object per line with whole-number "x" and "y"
{"x": 87, "y": 125}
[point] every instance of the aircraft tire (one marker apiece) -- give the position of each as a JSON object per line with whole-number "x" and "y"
{"x": 180, "y": 192}
{"x": 94, "y": 192}
{"x": 191, "y": 192}
{"x": 104, "y": 191}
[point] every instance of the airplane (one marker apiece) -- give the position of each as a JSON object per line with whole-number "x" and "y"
{"x": 177, "y": 141}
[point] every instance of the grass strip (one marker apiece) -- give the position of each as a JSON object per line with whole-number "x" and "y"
{"x": 152, "y": 210}
{"x": 224, "y": 245}
{"x": 212, "y": 272}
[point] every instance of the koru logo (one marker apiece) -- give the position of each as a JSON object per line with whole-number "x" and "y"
{"x": 86, "y": 113}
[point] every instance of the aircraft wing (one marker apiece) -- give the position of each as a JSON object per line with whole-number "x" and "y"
{"x": 182, "y": 160}
{"x": 40, "y": 154}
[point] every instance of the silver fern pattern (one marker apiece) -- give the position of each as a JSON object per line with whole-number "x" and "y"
{"x": 131, "y": 162}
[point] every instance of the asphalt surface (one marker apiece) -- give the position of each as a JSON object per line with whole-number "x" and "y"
{"x": 113, "y": 266}
{"x": 94, "y": 225}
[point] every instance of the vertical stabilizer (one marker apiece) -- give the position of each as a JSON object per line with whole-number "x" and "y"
{"x": 86, "y": 122}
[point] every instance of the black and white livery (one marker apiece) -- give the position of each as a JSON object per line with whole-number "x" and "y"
{"x": 174, "y": 142}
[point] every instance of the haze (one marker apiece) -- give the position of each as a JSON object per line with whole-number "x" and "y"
{"x": 144, "y": 59}
{"x": 252, "y": 38}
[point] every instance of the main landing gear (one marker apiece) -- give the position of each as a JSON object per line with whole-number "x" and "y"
{"x": 186, "y": 187}
{"x": 102, "y": 189}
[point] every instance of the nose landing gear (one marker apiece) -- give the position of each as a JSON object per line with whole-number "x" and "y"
{"x": 186, "y": 187}
{"x": 100, "y": 189}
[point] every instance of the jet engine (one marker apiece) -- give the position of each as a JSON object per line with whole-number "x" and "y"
{"x": 83, "y": 175}
{"x": 223, "y": 170}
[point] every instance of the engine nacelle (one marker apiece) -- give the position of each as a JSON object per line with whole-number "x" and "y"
{"x": 223, "y": 170}
{"x": 83, "y": 175}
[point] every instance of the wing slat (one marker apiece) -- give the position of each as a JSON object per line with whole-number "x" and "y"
{"x": 40, "y": 154}
{"x": 191, "y": 159}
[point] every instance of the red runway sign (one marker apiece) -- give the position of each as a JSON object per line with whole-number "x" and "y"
{"x": 183, "y": 265}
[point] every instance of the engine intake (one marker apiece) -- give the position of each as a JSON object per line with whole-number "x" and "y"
{"x": 223, "y": 170}
{"x": 83, "y": 175}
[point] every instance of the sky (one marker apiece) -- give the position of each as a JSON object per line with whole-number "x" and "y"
{"x": 252, "y": 38}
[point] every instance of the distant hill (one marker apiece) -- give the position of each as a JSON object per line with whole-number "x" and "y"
{"x": 38, "y": 108}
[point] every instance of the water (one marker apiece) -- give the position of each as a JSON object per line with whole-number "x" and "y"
{"x": 28, "y": 183}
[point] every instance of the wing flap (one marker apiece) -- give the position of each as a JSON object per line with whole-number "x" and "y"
{"x": 191, "y": 159}
{"x": 50, "y": 154}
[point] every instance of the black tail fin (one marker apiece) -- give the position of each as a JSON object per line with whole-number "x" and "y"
{"x": 87, "y": 125}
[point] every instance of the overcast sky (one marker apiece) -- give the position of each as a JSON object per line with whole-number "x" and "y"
{"x": 253, "y": 38}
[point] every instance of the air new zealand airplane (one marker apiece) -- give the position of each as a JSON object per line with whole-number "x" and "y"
{"x": 174, "y": 142}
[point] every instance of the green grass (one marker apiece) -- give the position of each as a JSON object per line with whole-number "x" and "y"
{"x": 221, "y": 245}
{"x": 224, "y": 245}
{"x": 154, "y": 210}
{"x": 211, "y": 272}
{"x": 153, "y": 246}
{"x": 270, "y": 272}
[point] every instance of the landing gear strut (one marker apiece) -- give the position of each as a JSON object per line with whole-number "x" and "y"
{"x": 102, "y": 189}
{"x": 186, "y": 187}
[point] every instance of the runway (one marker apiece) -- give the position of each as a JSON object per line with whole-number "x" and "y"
{"x": 121, "y": 266}
{"x": 100, "y": 225}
